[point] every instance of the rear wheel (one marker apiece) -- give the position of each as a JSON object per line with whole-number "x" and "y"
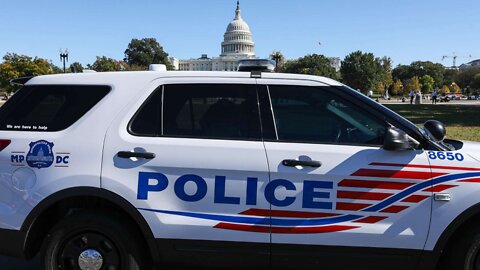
{"x": 93, "y": 241}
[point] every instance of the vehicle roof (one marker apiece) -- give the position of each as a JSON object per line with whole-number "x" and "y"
{"x": 146, "y": 76}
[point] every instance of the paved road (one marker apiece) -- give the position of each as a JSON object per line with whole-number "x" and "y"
{"x": 7, "y": 263}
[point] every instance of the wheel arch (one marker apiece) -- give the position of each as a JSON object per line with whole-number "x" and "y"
{"x": 40, "y": 220}
{"x": 472, "y": 214}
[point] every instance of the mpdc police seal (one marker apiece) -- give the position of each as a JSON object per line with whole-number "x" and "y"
{"x": 40, "y": 154}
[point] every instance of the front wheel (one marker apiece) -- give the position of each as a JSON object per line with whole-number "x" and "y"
{"x": 464, "y": 251}
{"x": 93, "y": 241}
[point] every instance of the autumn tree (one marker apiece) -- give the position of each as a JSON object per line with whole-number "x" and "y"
{"x": 413, "y": 84}
{"x": 397, "y": 88}
{"x": 444, "y": 90}
{"x": 15, "y": 66}
{"x": 455, "y": 88}
{"x": 379, "y": 88}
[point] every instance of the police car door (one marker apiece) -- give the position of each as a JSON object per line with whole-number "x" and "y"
{"x": 193, "y": 168}
{"x": 333, "y": 187}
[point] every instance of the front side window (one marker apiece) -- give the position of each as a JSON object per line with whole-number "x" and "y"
{"x": 316, "y": 115}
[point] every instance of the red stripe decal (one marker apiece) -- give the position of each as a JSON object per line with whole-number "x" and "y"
{"x": 439, "y": 188}
{"x": 374, "y": 196}
{"x": 394, "y": 209}
{"x": 472, "y": 180}
{"x": 282, "y": 213}
{"x": 396, "y": 174}
{"x": 415, "y": 198}
{"x": 284, "y": 230}
{"x": 351, "y": 206}
{"x": 424, "y": 166}
{"x": 374, "y": 184}
{"x": 370, "y": 220}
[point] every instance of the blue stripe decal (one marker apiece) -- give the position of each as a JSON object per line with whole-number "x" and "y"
{"x": 417, "y": 187}
{"x": 319, "y": 221}
{"x": 260, "y": 220}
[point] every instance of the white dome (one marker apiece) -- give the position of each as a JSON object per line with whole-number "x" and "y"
{"x": 238, "y": 38}
{"x": 238, "y": 24}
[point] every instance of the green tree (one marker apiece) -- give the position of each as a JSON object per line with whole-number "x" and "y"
{"x": 107, "y": 64}
{"x": 146, "y": 51}
{"x": 311, "y": 64}
{"x": 427, "y": 83}
{"x": 476, "y": 82}
{"x": 15, "y": 66}
{"x": 465, "y": 78}
{"x": 362, "y": 70}
{"x": 420, "y": 69}
{"x": 450, "y": 76}
{"x": 76, "y": 67}
{"x": 279, "y": 59}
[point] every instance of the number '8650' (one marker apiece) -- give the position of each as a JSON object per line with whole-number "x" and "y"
{"x": 445, "y": 155}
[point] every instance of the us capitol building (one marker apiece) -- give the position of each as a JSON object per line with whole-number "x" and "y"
{"x": 237, "y": 44}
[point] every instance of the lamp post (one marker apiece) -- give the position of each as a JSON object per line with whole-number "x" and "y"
{"x": 64, "y": 58}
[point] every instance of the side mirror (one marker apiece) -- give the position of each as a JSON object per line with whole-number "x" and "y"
{"x": 396, "y": 140}
{"x": 436, "y": 129}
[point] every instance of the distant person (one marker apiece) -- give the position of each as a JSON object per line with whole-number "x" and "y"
{"x": 418, "y": 97}
{"x": 412, "y": 96}
{"x": 434, "y": 97}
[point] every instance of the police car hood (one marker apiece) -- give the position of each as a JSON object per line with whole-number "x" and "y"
{"x": 472, "y": 148}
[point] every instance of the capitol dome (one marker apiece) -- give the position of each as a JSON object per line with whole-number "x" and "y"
{"x": 238, "y": 38}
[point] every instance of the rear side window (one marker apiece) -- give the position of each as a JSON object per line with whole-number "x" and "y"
{"x": 211, "y": 111}
{"x": 147, "y": 121}
{"x": 49, "y": 107}
{"x": 216, "y": 111}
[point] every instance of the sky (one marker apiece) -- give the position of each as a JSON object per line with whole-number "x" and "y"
{"x": 405, "y": 30}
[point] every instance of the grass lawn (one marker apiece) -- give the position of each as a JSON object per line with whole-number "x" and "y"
{"x": 462, "y": 121}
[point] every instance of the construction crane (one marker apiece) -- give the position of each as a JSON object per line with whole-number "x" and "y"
{"x": 454, "y": 57}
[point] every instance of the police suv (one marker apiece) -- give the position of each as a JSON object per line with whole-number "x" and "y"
{"x": 252, "y": 170}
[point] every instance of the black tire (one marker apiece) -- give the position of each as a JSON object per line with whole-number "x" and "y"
{"x": 111, "y": 237}
{"x": 463, "y": 253}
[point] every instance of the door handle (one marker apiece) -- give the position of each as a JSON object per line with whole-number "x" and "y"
{"x": 293, "y": 163}
{"x": 128, "y": 154}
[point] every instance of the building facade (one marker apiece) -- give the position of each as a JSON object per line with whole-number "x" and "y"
{"x": 237, "y": 44}
{"x": 470, "y": 65}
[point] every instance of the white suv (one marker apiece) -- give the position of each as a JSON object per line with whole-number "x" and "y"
{"x": 130, "y": 170}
